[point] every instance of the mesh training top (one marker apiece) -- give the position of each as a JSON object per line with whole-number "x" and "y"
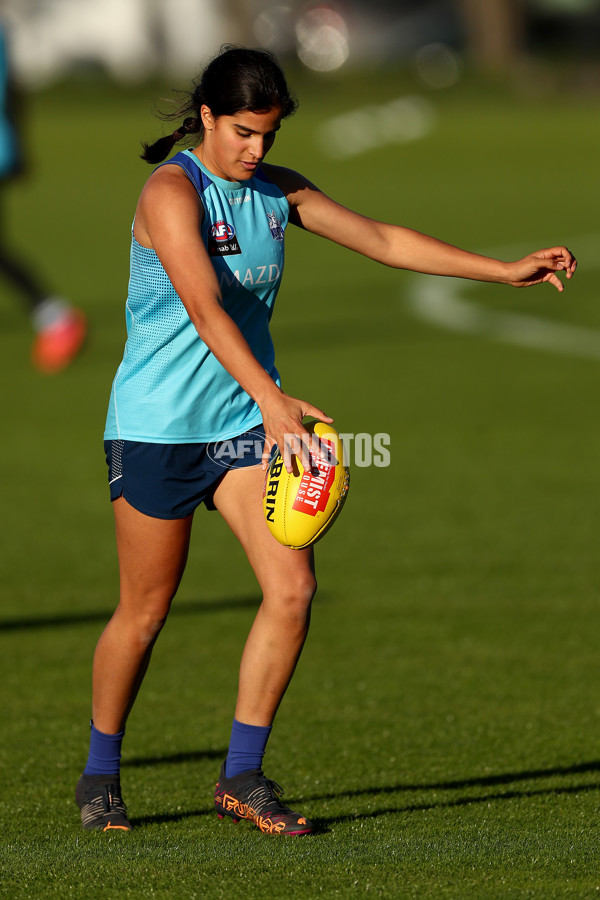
{"x": 169, "y": 387}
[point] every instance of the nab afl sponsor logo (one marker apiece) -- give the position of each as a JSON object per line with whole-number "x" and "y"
{"x": 222, "y": 240}
{"x": 222, "y": 231}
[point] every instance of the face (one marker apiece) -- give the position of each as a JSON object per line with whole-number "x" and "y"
{"x": 234, "y": 146}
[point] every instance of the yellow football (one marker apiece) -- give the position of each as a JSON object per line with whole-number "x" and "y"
{"x": 300, "y": 506}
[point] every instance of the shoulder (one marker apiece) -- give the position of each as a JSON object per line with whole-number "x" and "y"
{"x": 169, "y": 184}
{"x": 305, "y": 199}
{"x": 166, "y": 177}
{"x": 167, "y": 198}
{"x": 289, "y": 182}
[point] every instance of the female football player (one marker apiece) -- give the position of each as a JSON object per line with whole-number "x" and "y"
{"x": 199, "y": 373}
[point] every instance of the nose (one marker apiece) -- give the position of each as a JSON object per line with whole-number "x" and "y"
{"x": 257, "y": 148}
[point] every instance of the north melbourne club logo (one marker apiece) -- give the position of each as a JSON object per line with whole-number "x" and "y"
{"x": 275, "y": 228}
{"x": 222, "y": 240}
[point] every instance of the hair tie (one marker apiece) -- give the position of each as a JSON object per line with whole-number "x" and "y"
{"x": 189, "y": 125}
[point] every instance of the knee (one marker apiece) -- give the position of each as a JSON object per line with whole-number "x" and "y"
{"x": 144, "y": 620}
{"x": 295, "y": 599}
{"x": 150, "y": 626}
{"x": 301, "y": 589}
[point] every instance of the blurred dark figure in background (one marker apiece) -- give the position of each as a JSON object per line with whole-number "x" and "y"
{"x": 60, "y": 329}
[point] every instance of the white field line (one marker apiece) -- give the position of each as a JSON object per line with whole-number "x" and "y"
{"x": 441, "y": 301}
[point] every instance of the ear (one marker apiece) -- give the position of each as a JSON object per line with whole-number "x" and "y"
{"x": 208, "y": 120}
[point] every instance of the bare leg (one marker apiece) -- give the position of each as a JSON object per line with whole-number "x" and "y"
{"x": 152, "y": 557}
{"x": 288, "y": 584}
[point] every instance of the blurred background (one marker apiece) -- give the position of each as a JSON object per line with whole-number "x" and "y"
{"x": 133, "y": 39}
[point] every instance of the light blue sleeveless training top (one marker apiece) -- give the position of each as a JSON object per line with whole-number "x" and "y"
{"x": 169, "y": 387}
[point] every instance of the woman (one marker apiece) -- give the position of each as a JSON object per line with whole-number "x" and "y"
{"x": 198, "y": 373}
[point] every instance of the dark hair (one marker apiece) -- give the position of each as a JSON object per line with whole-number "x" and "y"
{"x": 237, "y": 79}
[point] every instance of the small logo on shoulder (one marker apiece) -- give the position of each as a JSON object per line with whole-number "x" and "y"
{"x": 222, "y": 240}
{"x": 275, "y": 228}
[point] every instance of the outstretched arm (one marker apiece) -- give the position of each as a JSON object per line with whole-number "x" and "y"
{"x": 405, "y": 248}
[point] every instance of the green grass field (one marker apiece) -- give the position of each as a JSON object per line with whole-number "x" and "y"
{"x": 443, "y": 727}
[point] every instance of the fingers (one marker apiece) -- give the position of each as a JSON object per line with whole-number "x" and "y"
{"x": 554, "y": 280}
{"x": 264, "y": 463}
{"x": 559, "y": 259}
{"x": 317, "y": 414}
{"x": 304, "y": 445}
{"x": 300, "y": 443}
{"x": 297, "y": 445}
{"x": 571, "y": 263}
{"x": 287, "y": 430}
{"x": 543, "y": 265}
{"x": 308, "y": 448}
{"x": 320, "y": 448}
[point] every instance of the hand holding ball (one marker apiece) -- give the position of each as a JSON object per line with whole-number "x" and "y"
{"x": 300, "y": 506}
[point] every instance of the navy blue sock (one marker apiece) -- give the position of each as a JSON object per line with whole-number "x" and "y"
{"x": 105, "y": 753}
{"x": 246, "y": 748}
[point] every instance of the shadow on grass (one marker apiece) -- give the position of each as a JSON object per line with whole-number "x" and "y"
{"x": 175, "y": 758}
{"x": 462, "y": 784}
{"x": 102, "y": 616}
{"x": 324, "y": 823}
{"x": 162, "y": 818}
{"x": 477, "y": 781}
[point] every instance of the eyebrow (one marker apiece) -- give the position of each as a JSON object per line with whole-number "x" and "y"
{"x": 253, "y": 131}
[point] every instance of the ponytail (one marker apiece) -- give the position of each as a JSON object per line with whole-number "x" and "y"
{"x": 160, "y": 149}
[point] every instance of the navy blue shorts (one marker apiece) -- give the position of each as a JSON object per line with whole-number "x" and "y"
{"x": 168, "y": 481}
